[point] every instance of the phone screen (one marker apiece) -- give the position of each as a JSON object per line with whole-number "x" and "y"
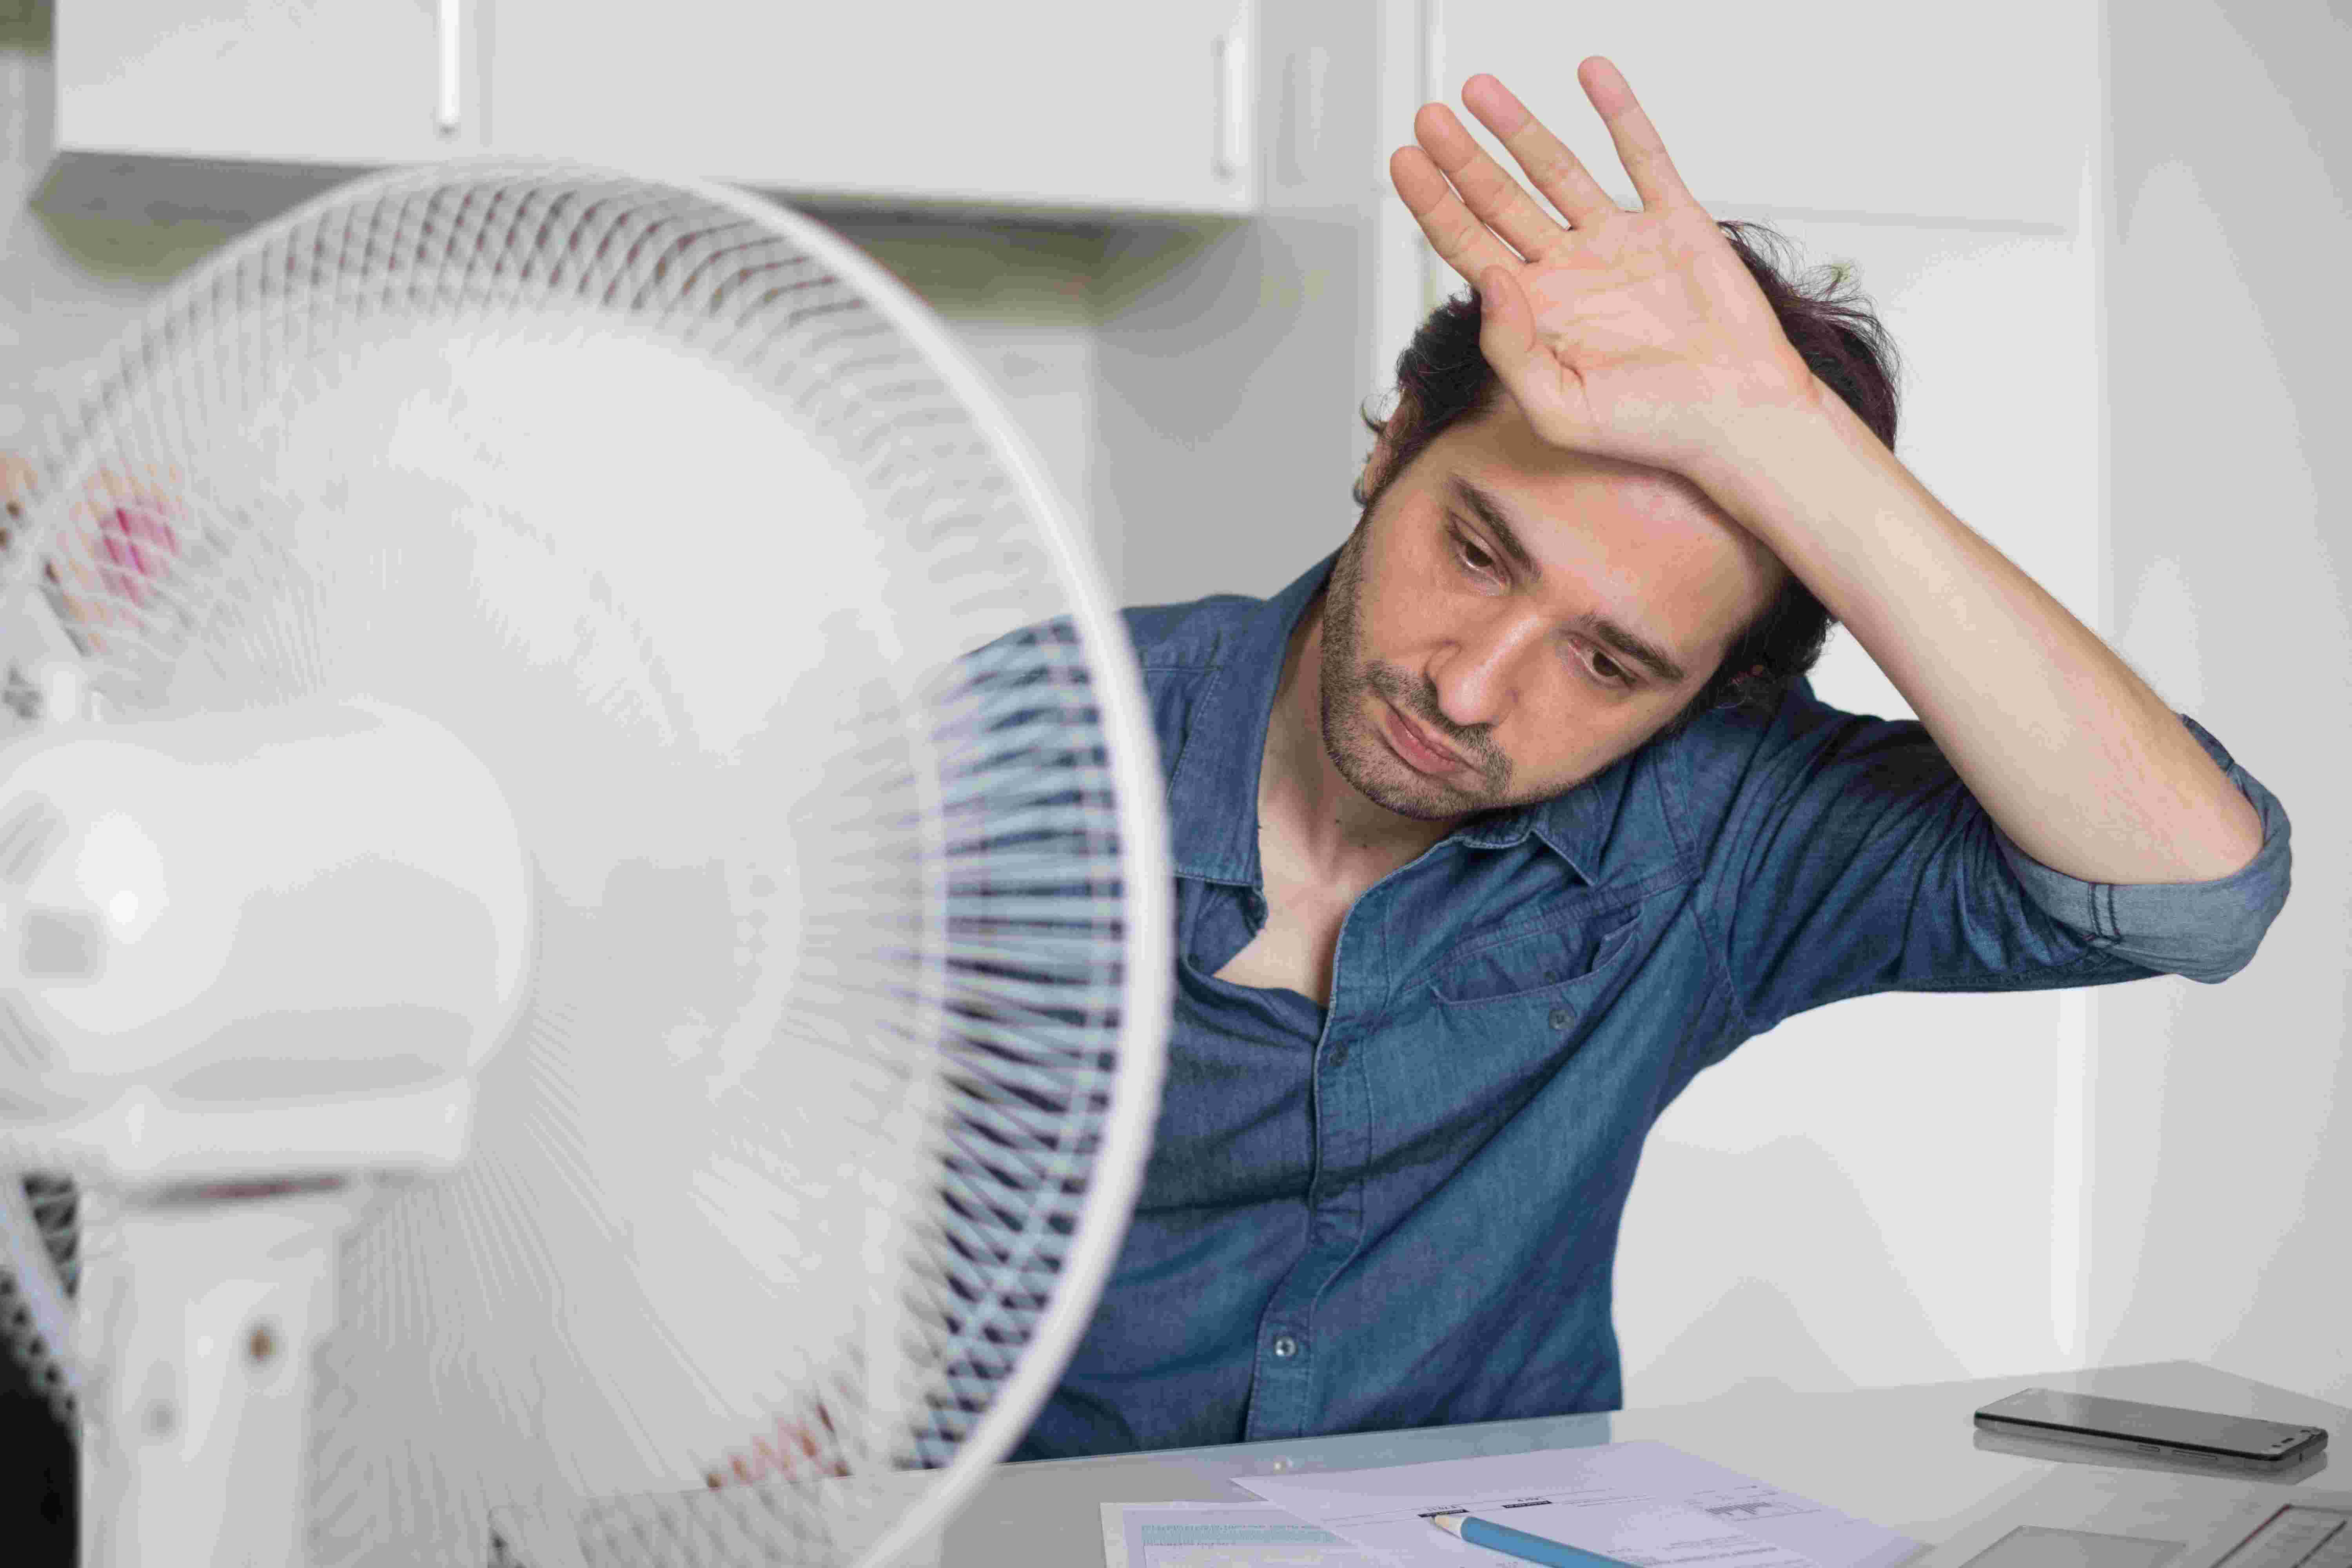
{"x": 2148, "y": 1422}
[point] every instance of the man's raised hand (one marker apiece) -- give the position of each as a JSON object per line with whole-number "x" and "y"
{"x": 1637, "y": 335}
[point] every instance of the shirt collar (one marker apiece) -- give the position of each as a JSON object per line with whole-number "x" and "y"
{"x": 1212, "y": 794}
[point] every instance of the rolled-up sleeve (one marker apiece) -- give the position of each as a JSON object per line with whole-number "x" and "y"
{"x": 2202, "y": 931}
{"x": 1852, "y": 859}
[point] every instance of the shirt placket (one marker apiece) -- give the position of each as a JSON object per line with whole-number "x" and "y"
{"x": 1289, "y": 1336}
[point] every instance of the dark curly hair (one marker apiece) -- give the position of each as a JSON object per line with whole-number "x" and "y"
{"x": 1444, "y": 379}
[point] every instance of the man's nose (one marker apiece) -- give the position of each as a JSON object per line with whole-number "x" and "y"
{"x": 1481, "y": 673}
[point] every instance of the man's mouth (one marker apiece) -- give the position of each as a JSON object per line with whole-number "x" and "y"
{"x": 1423, "y": 756}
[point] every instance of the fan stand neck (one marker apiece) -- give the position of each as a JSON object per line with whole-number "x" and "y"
{"x": 202, "y": 1326}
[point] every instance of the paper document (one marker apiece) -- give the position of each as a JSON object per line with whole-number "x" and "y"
{"x": 1221, "y": 1535}
{"x": 1642, "y": 1503}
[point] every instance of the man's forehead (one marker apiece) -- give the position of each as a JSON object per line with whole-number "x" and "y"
{"x": 1648, "y": 546}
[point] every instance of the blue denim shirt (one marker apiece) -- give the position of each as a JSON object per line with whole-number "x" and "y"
{"x": 1401, "y": 1210}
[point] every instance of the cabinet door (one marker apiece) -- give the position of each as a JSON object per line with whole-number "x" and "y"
{"x": 1982, "y": 113}
{"x": 350, "y": 81}
{"x": 1045, "y": 104}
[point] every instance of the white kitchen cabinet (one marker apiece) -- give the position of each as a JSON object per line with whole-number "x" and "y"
{"x": 1051, "y": 106}
{"x": 299, "y": 81}
{"x": 1980, "y": 113}
{"x": 1040, "y": 105}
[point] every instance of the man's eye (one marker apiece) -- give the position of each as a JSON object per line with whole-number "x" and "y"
{"x": 1472, "y": 556}
{"x": 1610, "y": 670}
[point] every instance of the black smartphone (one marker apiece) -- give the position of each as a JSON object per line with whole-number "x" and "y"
{"x": 2151, "y": 1429}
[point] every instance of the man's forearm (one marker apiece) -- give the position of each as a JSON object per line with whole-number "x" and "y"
{"x": 2081, "y": 764}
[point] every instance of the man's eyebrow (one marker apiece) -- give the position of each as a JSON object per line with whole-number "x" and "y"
{"x": 1592, "y": 622}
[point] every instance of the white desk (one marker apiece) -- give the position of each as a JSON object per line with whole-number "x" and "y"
{"x": 1908, "y": 1458}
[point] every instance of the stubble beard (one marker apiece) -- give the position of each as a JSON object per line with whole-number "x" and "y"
{"x": 1350, "y": 737}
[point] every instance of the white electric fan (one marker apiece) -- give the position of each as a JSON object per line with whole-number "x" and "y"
{"x": 584, "y": 950}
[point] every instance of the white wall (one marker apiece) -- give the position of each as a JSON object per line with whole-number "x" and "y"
{"x": 2220, "y": 1210}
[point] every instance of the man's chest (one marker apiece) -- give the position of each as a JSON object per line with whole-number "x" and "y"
{"x": 1455, "y": 930}
{"x": 1295, "y": 947}
{"x": 1381, "y": 1041}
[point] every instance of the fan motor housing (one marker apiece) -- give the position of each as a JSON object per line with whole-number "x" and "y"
{"x": 278, "y": 940}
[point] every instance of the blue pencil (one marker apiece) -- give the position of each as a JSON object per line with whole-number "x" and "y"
{"x": 1519, "y": 1543}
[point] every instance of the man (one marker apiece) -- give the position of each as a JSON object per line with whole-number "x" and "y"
{"x": 1474, "y": 872}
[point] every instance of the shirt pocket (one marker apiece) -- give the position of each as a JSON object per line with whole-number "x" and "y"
{"x": 1552, "y": 967}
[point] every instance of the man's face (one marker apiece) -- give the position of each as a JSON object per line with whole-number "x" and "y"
{"x": 1469, "y": 604}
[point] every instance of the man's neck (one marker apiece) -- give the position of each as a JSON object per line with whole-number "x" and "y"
{"x": 1308, "y": 810}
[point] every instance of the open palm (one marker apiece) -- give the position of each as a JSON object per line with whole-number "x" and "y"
{"x": 1637, "y": 335}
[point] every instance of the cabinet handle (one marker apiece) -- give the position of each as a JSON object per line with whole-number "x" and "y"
{"x": 449, "y": 29}
{"x": 1232, "y": 65}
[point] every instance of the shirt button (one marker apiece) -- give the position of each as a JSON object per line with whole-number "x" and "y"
{"x": 1286, "y": 1347}
{"x": 1561, "y": 1017}
{"x": 1337, "y": 1055}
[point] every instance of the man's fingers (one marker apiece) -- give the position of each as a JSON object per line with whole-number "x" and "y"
{"x": 1494, "y": 197}
{"x": 1638, "y": 146}
{"x": 1454, "y": 233}
{"x": 1557, "y": 172}
{"x": 1477, "y": 215}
